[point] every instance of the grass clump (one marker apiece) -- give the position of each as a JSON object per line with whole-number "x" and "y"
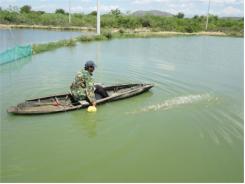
{"x": 38, "y": 48}
{"x": 85, "y": 38}
{"x": 107, "y": 34}
{"x": 89, "y": 38}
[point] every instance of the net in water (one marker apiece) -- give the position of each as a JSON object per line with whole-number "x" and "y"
{"x": 15, "y": 53}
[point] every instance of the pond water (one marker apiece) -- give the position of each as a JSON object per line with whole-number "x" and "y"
{"x": 188, "y": 128}
{"x": 12, "y": 37}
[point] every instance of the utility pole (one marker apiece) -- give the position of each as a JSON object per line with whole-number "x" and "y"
{"x": 208, "y": 15}
{"x": 98, "y": 17}
{"x": 69, "y": 11}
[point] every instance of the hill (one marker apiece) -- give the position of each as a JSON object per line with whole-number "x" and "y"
{"x": 152, "y": 12}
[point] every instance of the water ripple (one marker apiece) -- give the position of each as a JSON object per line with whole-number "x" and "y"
{"x": 223, "y": 125}
{"x": 174, "y": 102}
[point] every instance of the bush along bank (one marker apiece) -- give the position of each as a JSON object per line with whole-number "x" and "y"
{"x": 117, "y": 20}
{"x": 38, "y": 48}
{"x": 108, "y": 35}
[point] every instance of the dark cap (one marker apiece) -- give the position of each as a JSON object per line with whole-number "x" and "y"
{"x": 89, "y": 64}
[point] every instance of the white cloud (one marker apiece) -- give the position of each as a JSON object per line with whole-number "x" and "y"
{"x": 149, "y": 1}
{"x": 103, "y": 8}
{"x": 184, "y": 8}
{"x": 77, "y": 9}
{"x": 192, "y": 7}
{"x": 231, "y": 11}
{"x": 188, "y": 7}
{"x": 45, "y": 7}
{"x": 8, "y": 1}
{"x": 188, "y": 1}
{"x": 223, "y": 1}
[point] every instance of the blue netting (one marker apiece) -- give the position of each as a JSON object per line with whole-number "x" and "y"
{"x": 15, "y": 53}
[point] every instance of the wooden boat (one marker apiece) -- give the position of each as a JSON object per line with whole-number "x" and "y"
{"x": 65, "y": 102}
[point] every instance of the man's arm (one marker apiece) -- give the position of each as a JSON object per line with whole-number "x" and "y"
{"x": 91, "y": 96}
{"x": 90, "y": 90}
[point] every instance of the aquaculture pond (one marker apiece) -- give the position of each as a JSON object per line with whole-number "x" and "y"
{"x": 12, "y": 37}
{"x": 188, "y": 128}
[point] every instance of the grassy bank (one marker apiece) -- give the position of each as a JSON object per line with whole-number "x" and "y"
{"x": 38, "y": 48}
{"x": 26, "y": 26}
{"x": 108, "y": 35}
{"x": 117, "y": 20}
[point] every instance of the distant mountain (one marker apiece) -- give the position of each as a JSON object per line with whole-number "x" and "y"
{"x": 152, "y": 12}
{"x": 232, "y": 18}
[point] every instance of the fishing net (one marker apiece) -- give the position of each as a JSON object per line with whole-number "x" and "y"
{"x": 15, "y": 53}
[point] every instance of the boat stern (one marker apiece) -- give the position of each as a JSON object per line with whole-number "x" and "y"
{"x": 12, "y": 109}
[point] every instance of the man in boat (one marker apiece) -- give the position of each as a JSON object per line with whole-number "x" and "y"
{"x": 83, "y": 87}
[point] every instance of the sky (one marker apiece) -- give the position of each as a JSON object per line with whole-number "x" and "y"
{"x": 188, "y": 7}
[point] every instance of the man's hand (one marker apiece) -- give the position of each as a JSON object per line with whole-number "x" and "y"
{"x": 94, "y": 104}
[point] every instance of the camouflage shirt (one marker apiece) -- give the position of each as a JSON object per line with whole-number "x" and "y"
{"x": 83, "y": 86}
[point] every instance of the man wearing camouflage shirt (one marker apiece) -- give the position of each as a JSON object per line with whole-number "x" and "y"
{"x": 83, "y": 85}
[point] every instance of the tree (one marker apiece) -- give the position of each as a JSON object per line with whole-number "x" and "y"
{"x": 213, "y": 17}
{"x": 180, "y": 15}
{"x": 145, "y": 22}
{"x": 116, "y": 12}
{"x": 25, "y": 9}
{"x": 61, "y": 11}
{"x": 196, "y": 17}
{"x": 40, "y": 12}
{"x": 93, "y": 13}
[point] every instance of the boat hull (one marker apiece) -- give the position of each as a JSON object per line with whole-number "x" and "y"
{"x": 65, "y": 102}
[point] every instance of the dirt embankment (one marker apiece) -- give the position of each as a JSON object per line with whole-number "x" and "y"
{"x": 140, "y": 31}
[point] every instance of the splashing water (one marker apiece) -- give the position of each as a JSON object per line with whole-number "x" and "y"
{"x": 175, "y": 102}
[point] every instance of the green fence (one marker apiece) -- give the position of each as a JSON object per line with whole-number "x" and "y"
{"x": 15, "y": 53}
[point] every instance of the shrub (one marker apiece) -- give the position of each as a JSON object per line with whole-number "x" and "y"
{"x": 61, "y": 11}
{"x": 121, "y": 31}
{"x": 25, "y": 9}
{"x": 107, "y": 34}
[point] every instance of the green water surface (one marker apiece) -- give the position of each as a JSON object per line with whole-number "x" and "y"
{"x": 188, "y": 128}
